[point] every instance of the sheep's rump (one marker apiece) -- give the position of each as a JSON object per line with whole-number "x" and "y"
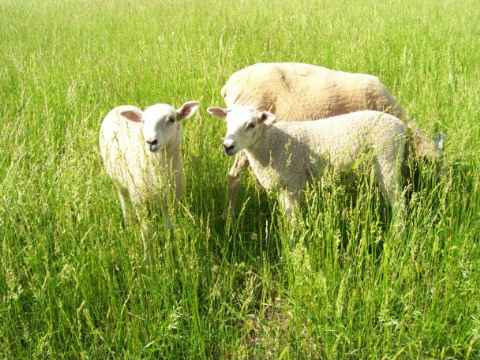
{"x": 295, "y": 91}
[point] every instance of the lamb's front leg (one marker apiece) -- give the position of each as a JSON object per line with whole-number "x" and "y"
{"x": 146, "y": 231}
{"x": 125, "y": 204}
{"x": 289, "y": 203}
{"x": 179, "y": 184}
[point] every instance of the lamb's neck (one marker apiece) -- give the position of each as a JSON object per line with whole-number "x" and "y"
{"x": 261, "y": 151}
{"x": 173, "y": 147}
{"x": 167, "y": 157}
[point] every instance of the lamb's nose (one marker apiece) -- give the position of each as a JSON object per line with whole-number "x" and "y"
{"x": 228, "y": 148}
{"x": 152, "y": 145}
{"x": 152, "y": 142}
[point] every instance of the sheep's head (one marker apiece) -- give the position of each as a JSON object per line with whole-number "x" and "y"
{"x": 245, "y": 125}
{"x": 161, "y": 122}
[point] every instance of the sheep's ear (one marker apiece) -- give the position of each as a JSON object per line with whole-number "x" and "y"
{"x": 132, "y": 115}
{"x": 266, "y": 118}
{"x": 187, "y": 110}
{"x": 217, "y": 112}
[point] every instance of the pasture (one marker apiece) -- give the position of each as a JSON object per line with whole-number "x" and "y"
{"x": 340, "y": 284}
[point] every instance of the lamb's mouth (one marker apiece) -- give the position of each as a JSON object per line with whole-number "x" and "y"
{"x": 153, "y": 145}
{"x": 229, "y": 150}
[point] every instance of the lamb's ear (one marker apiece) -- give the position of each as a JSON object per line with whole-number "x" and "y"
{"x": 266, "y": 118}
{"x": 187, "y": 110}
{"x": 217, "y": 112}
{"x": 132, "y": 115}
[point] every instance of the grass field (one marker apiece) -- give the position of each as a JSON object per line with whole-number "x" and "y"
{"x": 341, "y": 284}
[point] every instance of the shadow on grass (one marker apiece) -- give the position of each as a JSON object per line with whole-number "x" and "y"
{"x": 343, "y": 209}
{"x": 337, "y": 211}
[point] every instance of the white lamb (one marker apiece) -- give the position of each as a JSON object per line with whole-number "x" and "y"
{"x": 285, "y": 156}
{"x": 299, "y": 92}
{"x": 141, "y": 152}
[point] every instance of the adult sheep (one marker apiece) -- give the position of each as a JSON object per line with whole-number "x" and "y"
{"x": 298, "y": 92}
{"x": 286, "y": 156}
{"x": 141, "y": 152}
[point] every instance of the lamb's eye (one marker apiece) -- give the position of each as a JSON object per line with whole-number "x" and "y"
{"x": 171, "y": 120}
{"x": 250, "y": 125}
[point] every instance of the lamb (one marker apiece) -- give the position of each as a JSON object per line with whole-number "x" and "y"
{"x": 141, "y": 152}
{"x": 285, "y": 156}
{"x": 299, "y": 92}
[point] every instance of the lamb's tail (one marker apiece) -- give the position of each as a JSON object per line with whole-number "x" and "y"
{"x": 439, "y": 141}
{"x": 419, "y": 151}
{"x": 422, "y": 146}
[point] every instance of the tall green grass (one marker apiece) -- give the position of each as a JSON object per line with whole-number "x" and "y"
{"x": 339, "y": 284}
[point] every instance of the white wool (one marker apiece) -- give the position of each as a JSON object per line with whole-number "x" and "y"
{"x": 141, "y": 152}
{"x": 285, "y": 156}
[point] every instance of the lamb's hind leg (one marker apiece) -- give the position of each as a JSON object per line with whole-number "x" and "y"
{"x": 388, "y": 176}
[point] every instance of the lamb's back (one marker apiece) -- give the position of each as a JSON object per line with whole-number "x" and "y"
{"x": 341, "y": 138}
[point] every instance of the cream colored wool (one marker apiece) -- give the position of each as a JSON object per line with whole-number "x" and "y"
{"x": 296, "y": 92}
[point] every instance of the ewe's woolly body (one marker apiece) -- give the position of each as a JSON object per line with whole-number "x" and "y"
{"x": 295, "y": 91}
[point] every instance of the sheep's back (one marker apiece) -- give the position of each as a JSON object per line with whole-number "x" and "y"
{"x": 298, "y": 92}
{"x": 340, "y": 139}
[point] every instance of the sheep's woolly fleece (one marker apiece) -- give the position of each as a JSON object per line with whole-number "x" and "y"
{"x": 127, "y": 160}
{"x": 141, "y": 152}
{"x": 286, "y": 155}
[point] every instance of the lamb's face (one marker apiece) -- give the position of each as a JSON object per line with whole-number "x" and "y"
{"x": 160, "y": 126}
{"x": 161, "y": 122}
{"x": 244, "y": 126}
{"x": 241, "y": 129}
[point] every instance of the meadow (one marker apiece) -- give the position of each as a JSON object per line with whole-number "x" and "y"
{"x": 340, "y": 284}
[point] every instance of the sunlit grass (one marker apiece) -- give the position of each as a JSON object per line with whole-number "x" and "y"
{"x": 340, "y": 284}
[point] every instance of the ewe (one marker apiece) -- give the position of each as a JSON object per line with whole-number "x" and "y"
{"x": 298, "y": 92}
{"x": 286, "y": 155}
{"x": 141, "y": 152}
